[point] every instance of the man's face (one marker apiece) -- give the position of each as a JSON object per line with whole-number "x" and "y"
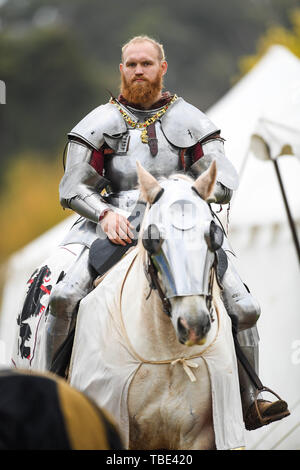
{"x": 142, "y": 73}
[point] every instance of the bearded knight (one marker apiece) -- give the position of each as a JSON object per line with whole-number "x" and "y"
{"x": 166, "y": 134}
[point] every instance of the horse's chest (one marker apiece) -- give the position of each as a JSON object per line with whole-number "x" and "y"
{"x": 167, "y": 410}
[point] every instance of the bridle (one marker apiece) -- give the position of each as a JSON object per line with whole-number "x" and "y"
{"x": 152, "y": 276}
{"x": 217, "y": 271}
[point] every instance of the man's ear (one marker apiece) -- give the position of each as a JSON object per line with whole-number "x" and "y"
{"x": 121, "y": 67}
{"x": 164, "y": 65}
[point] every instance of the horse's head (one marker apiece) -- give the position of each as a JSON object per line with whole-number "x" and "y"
{"x": 180, "y": 237}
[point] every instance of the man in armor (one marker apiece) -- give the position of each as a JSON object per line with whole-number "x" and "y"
{"x": 166, "y": 134}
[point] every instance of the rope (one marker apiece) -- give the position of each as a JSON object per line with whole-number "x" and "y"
{"x": 187, "y": 364}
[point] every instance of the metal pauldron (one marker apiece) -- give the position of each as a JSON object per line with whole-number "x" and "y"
{"x": 103, "y": 120}
{"x": 184, "y": 125}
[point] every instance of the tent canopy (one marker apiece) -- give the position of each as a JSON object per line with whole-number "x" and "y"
{"x": 264, "y": 103}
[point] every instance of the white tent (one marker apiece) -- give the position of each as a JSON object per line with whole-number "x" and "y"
{"x": 18, "y": 270}
{"x": 259, "y": 232}
{"x": 266, "y": 103}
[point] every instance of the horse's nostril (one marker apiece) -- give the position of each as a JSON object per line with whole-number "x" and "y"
{"x": 206, "y": 325}
{"x": 202, "y": 327}
{"x": 182, "y": 330}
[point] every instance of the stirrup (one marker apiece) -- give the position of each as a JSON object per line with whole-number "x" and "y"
{"x": 274, "y": 412}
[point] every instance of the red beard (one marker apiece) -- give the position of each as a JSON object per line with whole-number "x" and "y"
{"x": 143, "y": 92}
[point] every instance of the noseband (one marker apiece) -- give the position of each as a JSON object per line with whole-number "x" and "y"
{"x": 151, "y": 274}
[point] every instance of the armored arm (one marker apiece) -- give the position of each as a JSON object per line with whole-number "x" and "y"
{"x": 227, "y": 177}
{"x": 186, "y": 127}
{"x": 81, "y": 184}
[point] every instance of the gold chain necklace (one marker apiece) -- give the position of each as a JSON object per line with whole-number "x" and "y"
{"x": 145, "y": 124}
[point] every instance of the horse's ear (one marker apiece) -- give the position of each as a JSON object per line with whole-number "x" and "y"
{"x": 149, "y": 186}
{"x": 205, "y": 183}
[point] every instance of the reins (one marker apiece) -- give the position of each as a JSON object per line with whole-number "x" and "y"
{"x": 156, "y": 284}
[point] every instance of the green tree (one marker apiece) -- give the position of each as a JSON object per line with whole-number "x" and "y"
{"x": 276, "y": 34}
{"x": 50, "y": 85}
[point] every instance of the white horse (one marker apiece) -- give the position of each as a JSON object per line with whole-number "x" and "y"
{"x": 153, "y": 342}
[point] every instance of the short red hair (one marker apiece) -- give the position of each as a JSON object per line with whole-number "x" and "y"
{"x": 159, "y": 47}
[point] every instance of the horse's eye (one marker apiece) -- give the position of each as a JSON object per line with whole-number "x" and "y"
{"x": 214, "y": 236}
{"x": 152, "y": 239}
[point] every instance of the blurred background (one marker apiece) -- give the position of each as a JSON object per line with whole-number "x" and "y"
{"x": 59, "y": 60}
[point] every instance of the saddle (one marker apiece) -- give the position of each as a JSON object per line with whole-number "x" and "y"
{"x": 104, "y": 254}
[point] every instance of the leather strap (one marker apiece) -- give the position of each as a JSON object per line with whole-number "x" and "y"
{"x": 152, "y": 140}
{"x": 182, "y": 159}
{"x": 221, "y": 264}
{"x": 155, "y": 283}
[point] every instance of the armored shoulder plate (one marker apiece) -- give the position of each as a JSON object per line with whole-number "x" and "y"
{"x": 104, "y": 120}
{"x": 184, "y": 125}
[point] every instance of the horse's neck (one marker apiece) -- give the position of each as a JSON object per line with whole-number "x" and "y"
{"x": 149, "y": 330}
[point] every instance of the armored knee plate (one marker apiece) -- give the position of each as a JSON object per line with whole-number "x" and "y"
{"x": 243, "y": 309}
{"x": 64, "y": 300}
{"x": 76, "y": 284}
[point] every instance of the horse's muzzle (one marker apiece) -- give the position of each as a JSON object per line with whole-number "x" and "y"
{"x": 193, "y": 333}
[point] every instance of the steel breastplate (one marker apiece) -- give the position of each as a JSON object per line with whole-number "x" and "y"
{"x": 120, "y": 168}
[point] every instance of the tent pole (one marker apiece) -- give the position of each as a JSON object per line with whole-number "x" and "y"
{"x": 289, "y": 215}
